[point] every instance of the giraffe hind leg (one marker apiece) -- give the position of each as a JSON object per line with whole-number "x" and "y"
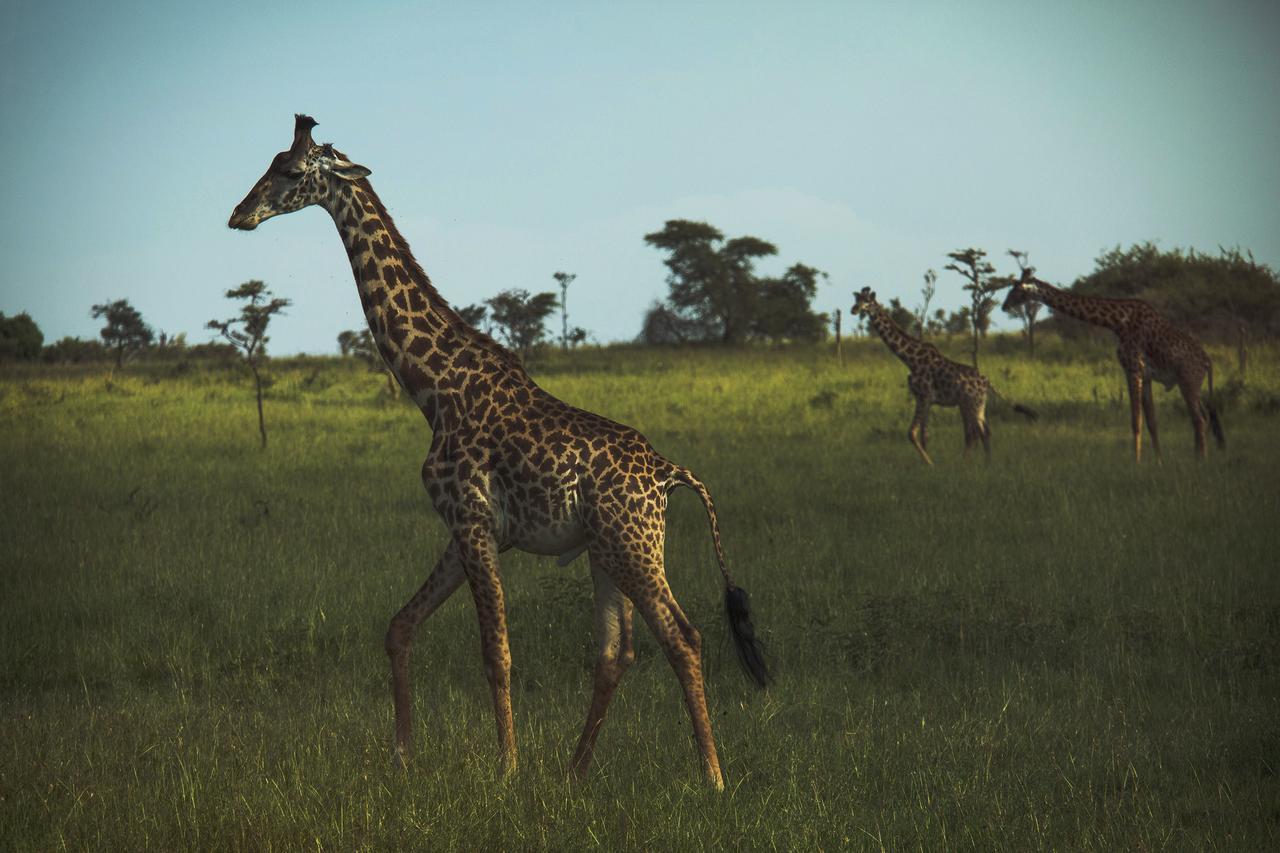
{"x": 1149, "y": 410}
{"x": 1191, "y": 393}
{"x": 615, "y": 654}
{"x": 635, "y": 565}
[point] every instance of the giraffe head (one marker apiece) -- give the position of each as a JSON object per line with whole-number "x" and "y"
{"x": 304, "y": 175}
{"x": 864, "y": 303}
{"x": 1023, "y": 289}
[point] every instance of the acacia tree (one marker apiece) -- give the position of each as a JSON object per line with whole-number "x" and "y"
{"x": 1027, "y": 311}
{"x": 972, "y": 264}
{"x": 248, "y": 332}
{"x": 125, "y": 332}
{"x": 783, "y": 306}
{"x": 360, "y": 345}
{"x": 564, "y": 279}
{"x": 520, "y": 318}
{"x": 713, "y": 291}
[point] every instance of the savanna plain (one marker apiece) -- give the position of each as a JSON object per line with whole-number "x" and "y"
{"x": 1057, "y": 650}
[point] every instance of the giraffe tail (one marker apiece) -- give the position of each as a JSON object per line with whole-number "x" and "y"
{"x": 1026, "y": 411}
{"x": 737, "y": 608}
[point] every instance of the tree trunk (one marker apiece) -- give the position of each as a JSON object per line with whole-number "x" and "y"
{"x": 262, "y": 423}
{"x": 839, "y": 351}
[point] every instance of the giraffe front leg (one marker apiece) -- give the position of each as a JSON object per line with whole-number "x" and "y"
{"x": 444, "y": 579}
{"x": 1149, "y": 411}
{"x": 919, "y": 428}
{"x": 479, "y": 556}
{"x": 1134, "y": 370}
{"x": 613, "y": 633}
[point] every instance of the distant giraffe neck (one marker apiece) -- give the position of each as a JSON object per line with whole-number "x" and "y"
{"x": 1094, "y": 310}
{"x": 908, "y": 349}
{"x": 429, "y": 348}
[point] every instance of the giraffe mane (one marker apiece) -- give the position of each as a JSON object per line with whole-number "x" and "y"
{"x": 423, "y": 282}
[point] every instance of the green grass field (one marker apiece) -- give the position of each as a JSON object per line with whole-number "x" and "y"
{"x": 1060, "y": 650}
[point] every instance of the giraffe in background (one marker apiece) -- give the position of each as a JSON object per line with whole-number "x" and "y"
{"x": 934, "y": 379}
{"x": 510, "y": 466}
{"x": 1151, "y": 350}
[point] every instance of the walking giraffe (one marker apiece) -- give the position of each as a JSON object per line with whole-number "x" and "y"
{"x": 1151, "y": 348}
{"x": 934, "y": 379}
{"x": 510, "y": 466}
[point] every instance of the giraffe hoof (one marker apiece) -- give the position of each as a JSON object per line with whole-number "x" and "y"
{"x": 400, "y": 758}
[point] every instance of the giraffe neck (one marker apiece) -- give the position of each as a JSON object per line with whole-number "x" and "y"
{"x": 434, "y": 354}
{"x": 1094, "y": 310}
{"x": 906, "y": 348}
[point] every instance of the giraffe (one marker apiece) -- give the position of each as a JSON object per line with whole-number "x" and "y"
{"x": 510, "y": 466}
{"x": 934, "y": 379}
{"x": 1151, "y": 350}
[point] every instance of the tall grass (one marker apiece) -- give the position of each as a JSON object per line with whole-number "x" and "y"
{"x": 1058, "y": 650}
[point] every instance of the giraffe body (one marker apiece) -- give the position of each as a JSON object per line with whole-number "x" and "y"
{"x": 934, "y": 380}
{"x": 509, "y": 466}
{"x": 1151, "y": 349}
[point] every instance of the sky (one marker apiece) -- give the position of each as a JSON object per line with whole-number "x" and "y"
{"x": 513, "y": 140}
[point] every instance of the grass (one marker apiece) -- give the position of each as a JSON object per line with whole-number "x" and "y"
{"x": 1059, "y": 650}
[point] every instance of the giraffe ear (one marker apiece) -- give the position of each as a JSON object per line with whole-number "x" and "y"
{"x": 349, "y": 171}
{"x": 345, "y": 169}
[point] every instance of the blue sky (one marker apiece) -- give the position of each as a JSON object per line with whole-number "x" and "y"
{"x": 511, "y": 140}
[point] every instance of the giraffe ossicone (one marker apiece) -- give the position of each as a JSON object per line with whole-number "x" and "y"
{"x": 510, "y": 466}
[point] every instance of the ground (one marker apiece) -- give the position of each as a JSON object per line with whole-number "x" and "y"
{"x": 1058, "y": 650}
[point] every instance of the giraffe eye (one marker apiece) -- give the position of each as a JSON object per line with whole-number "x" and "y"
{"x": 293, "y": 174}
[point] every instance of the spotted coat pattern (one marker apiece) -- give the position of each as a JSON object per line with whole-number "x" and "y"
{"x": 1151, "y": 350}
{"x": 934, "y": 379}
{"x": 510, "y": 465}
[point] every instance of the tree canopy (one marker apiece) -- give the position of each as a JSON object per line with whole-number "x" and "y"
{"x": 714, "y": 294}
{"x": 125, "y": 332}
{"x": 520, "y": 317}
{"x": 1215, "y": 296}
{"x": 20, "y": 338}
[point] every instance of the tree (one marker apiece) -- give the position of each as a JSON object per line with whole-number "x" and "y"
{"x": 565, "y": 279}
{"x": 74, "y": 351}
{"x": 520, "y": 318}
{"x": 784, "y": 306}
{"x": 957, "y": 322}
{"x": 1027, "y": 311}
{"x": 125, "y": 332}
{"x": 1216, "y": 296}
{"x": 902, "y": 316}
{"x": 712, "y": 289}
{"x": 972, "y": 265}
{"x": 922, "y": 313}
{"x": 248, "y": 332}
{"x": 360, "y": 345}
{"x": 714, "y": 293}
{"x": 20, "y": 338}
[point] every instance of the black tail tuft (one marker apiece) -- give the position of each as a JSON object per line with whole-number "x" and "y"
{"x": 750, "y": 655}
{"x": 1215, "y": 424}
{"x": 1027, "y": 412}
